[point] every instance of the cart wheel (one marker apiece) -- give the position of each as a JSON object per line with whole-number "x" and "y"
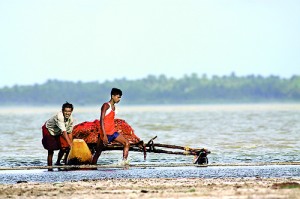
{"x": 203, "y": 160}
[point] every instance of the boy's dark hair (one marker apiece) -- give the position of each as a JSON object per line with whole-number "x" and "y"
{"x": 67, "y": 105}
{"x": 115, "y": 91}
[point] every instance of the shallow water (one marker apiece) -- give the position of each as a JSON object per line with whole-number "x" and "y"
{"x": 233, "y": 133}
{"x": 286, "y": 171}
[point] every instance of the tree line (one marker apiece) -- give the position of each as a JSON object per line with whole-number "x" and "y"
{"x": 190, "y": 89}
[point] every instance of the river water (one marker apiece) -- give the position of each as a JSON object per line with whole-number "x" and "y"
{"x": 248, "y": 133}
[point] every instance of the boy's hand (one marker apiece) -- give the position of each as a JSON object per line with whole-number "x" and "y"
{"x": 70, "y": 143}
{"x": 105, "y": 140}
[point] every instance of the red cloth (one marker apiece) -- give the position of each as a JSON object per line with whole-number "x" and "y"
{"x": 51, "y": 142}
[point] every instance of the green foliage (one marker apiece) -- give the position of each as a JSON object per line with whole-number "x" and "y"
{"x": 286, "y": 185}
{"x": 159, "y": 90}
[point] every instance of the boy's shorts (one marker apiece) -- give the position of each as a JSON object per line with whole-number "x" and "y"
{"x": 112, "y": 137}
{"x": 51, "y": 142}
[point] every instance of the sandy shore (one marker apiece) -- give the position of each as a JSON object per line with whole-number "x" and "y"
{"x": 158, "y": 188}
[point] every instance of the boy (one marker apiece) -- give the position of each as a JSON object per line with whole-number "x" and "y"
{"x": 57, "y": 133}
{"x": 108, "y": 132}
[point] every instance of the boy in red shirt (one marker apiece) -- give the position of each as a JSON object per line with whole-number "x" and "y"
{"x": 108, "y": 132}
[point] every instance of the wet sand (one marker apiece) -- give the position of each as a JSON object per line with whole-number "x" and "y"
{"x": 158, "y": 188}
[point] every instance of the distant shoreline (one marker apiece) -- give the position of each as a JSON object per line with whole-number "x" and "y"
{"x": 190, "y": 89}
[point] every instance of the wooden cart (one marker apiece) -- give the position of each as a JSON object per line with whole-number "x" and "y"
{"x": 89, "y": 132}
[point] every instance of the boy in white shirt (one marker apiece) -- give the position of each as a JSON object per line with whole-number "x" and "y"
{"x": 57, "y": 133}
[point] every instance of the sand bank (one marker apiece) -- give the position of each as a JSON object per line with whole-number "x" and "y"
{"x": 158, "y": 188}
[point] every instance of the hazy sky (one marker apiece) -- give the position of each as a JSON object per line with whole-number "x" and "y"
{"x": 97, "y": 40}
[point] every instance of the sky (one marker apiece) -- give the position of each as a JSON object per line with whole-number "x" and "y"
{"x": 98, "y": 40}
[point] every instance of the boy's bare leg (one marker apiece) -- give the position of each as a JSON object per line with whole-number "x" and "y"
{"x": 60, "y": 155}
{"x": 126, "y": 145}
{"x": 66, "y": 156}
{"x": 64, "y": 150}
{"x": 49, "y": 159}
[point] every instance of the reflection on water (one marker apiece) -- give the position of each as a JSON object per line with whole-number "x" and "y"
{"x": 234, "y": 133}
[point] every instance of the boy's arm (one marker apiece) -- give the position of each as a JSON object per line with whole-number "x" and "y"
{"x": 104, "y": 108}
{"x": 65, "y": 135}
